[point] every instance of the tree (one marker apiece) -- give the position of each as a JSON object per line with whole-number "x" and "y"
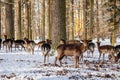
{"x": 43, "y": 20}
{"x": 9, "y": 19}
{"x": 17, "y": 19}
{"x": 72, "y": 20}
{"x": 85, "y": 18}
{"x": 112, "y": 10}
{"x": 48, "y": 18}
{"x": 59, "y": 21}
{"x": 29, "y": 19}
{"x": 91, "y": 18}
{"x": 97, "y": 20}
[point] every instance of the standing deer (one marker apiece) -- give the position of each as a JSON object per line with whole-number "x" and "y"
{"x": 8, "y": 43}
{"x": 82, "y": 43}
{"x": 68, "y": 50}
{"x": 29, "y": 45}
{"x": 71, "y": 48}
{"x": 90, "y": 48}
{"x": 105, "y": 49}
{"x": 46, "y": 47}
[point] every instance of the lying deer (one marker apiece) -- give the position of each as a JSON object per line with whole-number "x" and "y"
{"x": 68, "y": 50}
{"x": 106, "y": 49}
{"x": 46, "y": 47}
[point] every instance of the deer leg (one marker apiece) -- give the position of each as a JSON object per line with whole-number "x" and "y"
{"x": 92, "y": 52}
{"x": 60, "y": 59}
{"x": 32, "y": 50}
{"x": 44, "y": 59}
{"x": 77, "y": 61}
{"x": 99, "y": 56}
{"x": 55, "y": 61}
{"x": 66, "y": 59}
{"x": 0, "y": 46}
{"x": 88, "y": 53}
{"x": 60, "y": 63}
{"x": 48, "y": 55}
{"x": 6, "y": 48}
{"x": 81, "y": 57}
{"x": 103, "y": 57}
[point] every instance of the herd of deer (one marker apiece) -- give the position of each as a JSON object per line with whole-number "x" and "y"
{"x": 74, "y": 48}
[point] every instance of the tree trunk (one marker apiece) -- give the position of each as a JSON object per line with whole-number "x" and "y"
{"x": 43, "y": 20}
{"x": 114, "y": 25}
{"x": 97, "y": 20}
{"x": 85, "y": 18}
{"x": 71, "y": 20}
{"x": 19, "y": 33}
{"x": 91, "y": 18}
{"x": 9, "y": 19}
{"x": 48, "y": 17}
{"x": 59, "y": 21}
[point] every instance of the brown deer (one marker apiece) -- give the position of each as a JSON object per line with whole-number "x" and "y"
{"x": 106, "y": 49}
{"x": 8, "y": 43}
{"x": 19, "y": 43}
{"x": 39, "y": 44}
{"x": 29, "y": 45}
{"x": 82, "y": 43}
{"x": 46, "y": 47}
{"x": 68, "y": 50}
{"x": 90, "y": 48}
{"x": 72, "y": 42}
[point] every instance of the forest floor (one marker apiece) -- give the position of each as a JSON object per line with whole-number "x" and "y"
{"x": 20, "y": 65}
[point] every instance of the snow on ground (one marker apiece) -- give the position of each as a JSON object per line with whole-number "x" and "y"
{"x": 20, "y": 65}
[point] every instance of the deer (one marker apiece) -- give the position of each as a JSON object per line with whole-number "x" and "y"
{"x": 106, "y": 49}
{"x": 46, "y": 47}
{"x": 82, "y": 43}
{"x": 39, "y": 44}
{"x": 73, "y": 48}
{"x": 68, "y": 50}
{"x": 29, "y": 45}
{"x": 117, "y": 48}
{"x": 19, "y": 43}
{"x": 8, "y": 43}
{"x": 90, "y": 48}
